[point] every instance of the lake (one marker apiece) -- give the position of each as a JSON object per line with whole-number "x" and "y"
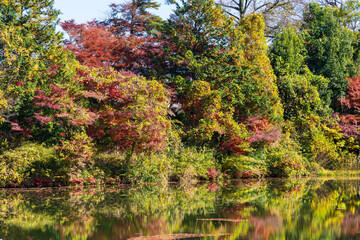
{"x": 251, "y": 209}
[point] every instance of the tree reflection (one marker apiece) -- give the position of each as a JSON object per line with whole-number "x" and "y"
{"x": 281, "y": 209}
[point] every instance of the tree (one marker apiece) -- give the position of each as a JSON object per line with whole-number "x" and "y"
{"x": 300, "y": 98}
{"x": 220, "y": 73}
{"x": 60, "y": 118}
{"x": 29, "y": 43}
{"x": 348, "y": 121}
{"x": 123, "y": 41}
{"x": 305, "y": 97}
{"x": 350, "y": 11}
{"x": 262, "y": 93}
{"x": 111, "y": 110}
{"x": 277, "y": 13}
{"x": 329, "y": 47}
{"x": 239, "y": 9}
{"x": 133, "y": 17}
{"x": 288, "y": 53}
{"x": 31, "y": 56}
{"x": 96, "y": 46}
{"x": 131, "y": 111}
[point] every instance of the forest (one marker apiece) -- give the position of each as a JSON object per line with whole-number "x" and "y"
{"x": 221, "y": 89}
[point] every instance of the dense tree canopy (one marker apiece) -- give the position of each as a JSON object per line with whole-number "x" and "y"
{"x": 329, "y": 47}
{"x": 136, "y": 97}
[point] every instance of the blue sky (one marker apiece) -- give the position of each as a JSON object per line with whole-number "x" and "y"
{"x": 86, "y": 10}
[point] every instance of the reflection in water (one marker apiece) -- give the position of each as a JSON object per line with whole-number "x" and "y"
{"x": 264, "y": 227}
{"x": 350, "y": 224}
{"x": 276, "y": 209}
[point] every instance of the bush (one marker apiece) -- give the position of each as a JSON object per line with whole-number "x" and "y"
{"x": 176, "y": 163}
{"x": 191, "y": 162}
{"x": 113, "y": 164}
{"x": 323, "y": 150}
{"x": 76, "y": 153}
{"x": 137, "y": 168}
{"x": 285, "y": 163}
{"x": 31, "y": 165}
{"x": 148, "y": 168}
{"x": 285, "y": 160}
{"x": 239, "y": 166}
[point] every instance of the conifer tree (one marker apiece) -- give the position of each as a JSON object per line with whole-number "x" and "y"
{"x": 288, "y": 52}
{"x": 329, "y": 47}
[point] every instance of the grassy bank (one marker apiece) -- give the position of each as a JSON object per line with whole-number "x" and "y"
{"x": 35, "y": 165}
{"x": 337, "y": 173}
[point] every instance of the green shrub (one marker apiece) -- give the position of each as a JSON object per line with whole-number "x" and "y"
{"x": 285, "y": 163}
{"x": 177, "y": 163}
{"x": 239, "y": 166}
{"x": 148, "y": 168}
{"x": 323, "y": 151}
{"x": 191, "y": 162}
{"x": 28, "y": 163}
{"x": 113, "y": 164}
{"x": 137, "y": 168}
{"x": 76, "y": 153}
{"x": 285, "y": 160}
{"x": 347, "y": 161}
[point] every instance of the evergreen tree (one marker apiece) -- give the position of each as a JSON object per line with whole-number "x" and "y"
{"x": 133, "y": 17}
{"x": 288, "y": 55}
{"x": 329, "y": 47}
{"x": 288, "y": 52}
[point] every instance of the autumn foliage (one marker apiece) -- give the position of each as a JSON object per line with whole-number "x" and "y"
{"x": 135, "y": 96}
{"x": 122, "y": 42}
{"x": 131, "y": 110}
{"x": 349, "y": 120}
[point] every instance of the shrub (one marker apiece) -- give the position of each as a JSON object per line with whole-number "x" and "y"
{"x": 285, "y": 160}
{"x": 76, "y": 153}
{"x": 175, "y": 163}
{"x": 239, "y": 166}
{"x": 148, "y": 168}
{"x": 284, "y": 163}
{"x": 137, "y": 168}
{"x": 191, "y": 162}
{"x": 113, "y": 164}
{"x": 131, "y": 110}
{"x": 323, "y": 150}
{"x": 30, "y": 164}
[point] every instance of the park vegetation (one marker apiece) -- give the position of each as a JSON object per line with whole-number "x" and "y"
{"x": 209, "y": 93}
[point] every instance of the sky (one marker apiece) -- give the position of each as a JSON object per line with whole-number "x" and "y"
{"x": 83, "y": 11}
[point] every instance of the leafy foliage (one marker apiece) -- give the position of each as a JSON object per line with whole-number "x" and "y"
{"x": 141, "y": 99}
{"x": 205, "y": 63}
{"x": 288, "y": 53}
{"x": 21, "y": 166}
{"x": 123, "y": 41}
{"x": 329, "y": 48}
{"x": 285, "y": 159}
{"x": 31, "y": 58}
{"x": 132, "y": 111}
{"x": 348, "y": 121}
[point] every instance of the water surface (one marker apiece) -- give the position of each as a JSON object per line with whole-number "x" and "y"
{"x": 265, "y": 209}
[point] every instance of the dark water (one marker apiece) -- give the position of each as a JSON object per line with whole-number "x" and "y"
{"x": 297, "y": 209}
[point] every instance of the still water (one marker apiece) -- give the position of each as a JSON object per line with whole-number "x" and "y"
{"x": 265, "y": 209}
